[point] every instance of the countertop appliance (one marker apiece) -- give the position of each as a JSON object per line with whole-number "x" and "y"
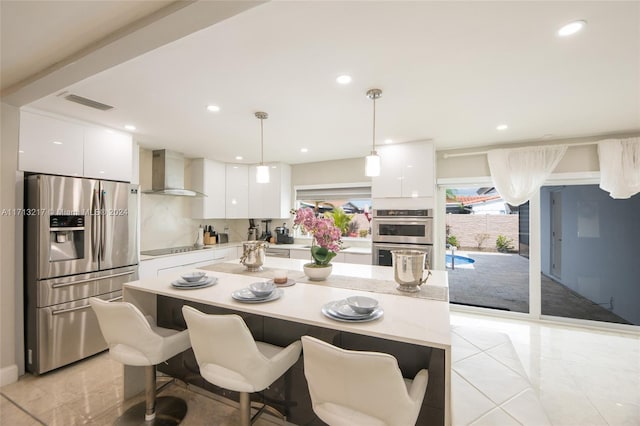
{"x": 80, "y": 242}
{"x": 282, "y": 235}
{"x": 266, "y": 235}
{"x": 252, "y": 233}
{"x": 398, "y": 230}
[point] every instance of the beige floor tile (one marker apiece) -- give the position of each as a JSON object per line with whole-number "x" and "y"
{"x": 495, "y": 380}
{"x": 496, "y": 417}
{"x": 11, "y": 414}
{"x": 468, "y": 403}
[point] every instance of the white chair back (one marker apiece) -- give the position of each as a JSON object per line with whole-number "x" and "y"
{"x": 129, "y": 335}
{"x": 223, "y": 343}
{"x": 368, "y": 382}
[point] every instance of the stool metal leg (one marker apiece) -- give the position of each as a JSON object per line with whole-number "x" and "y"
{"x": 150, "y": 392}
{"x": 245, "y": 409}
{"x": 163, "y": 411}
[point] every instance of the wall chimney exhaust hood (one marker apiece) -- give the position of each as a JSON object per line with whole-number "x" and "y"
{"x": 167, "y": 175}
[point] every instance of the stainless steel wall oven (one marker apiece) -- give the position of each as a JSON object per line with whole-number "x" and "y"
{"x": 401, "y": 229}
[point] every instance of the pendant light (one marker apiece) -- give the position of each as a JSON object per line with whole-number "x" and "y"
{"x": 372, "y": 163}
{"x": 262, "y": 171}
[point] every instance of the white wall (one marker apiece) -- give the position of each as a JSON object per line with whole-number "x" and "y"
{"x": 350, "y": 170}
{"x": 11, "y": 299}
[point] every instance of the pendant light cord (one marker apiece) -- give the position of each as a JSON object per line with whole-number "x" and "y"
{"x": 374, "y": 126}
{"x": 261, "y": 142}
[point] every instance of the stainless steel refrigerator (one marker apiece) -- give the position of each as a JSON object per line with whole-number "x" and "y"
{"x": 80, "y": 242}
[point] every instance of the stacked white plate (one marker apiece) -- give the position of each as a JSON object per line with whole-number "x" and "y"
{"x": 340, "y": 310}
{"x": 245, "y": 295}
{"x": 203, "y": 282}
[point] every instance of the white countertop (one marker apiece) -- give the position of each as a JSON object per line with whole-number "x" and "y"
{"x": 354, "y": 250}
{"x": 412, "y": 320}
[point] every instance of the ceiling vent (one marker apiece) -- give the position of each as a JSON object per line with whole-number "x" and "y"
{"x": 88, "y": 102}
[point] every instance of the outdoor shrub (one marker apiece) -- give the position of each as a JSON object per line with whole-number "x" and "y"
{"x": 481, "y": 238}
{"x": 504, "y": 244}
{"x": 451, "y": 239}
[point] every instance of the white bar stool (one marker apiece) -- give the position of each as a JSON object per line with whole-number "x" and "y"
{"x": 229, "y": 357}
{"x": 135, "y": 340}
{"x": 350, "y": 388}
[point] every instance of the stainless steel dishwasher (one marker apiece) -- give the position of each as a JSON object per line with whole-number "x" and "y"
{"x": 277, "y": 252}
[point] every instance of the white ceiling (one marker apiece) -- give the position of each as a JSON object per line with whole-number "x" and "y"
{"x": 449, "y": 71}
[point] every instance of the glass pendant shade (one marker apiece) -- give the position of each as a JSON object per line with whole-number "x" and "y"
{"x": 262, "y": 171}
{"x": 372, "y": 161}
{"x": 262, "y": 174}
{"x": 372, "y": 165}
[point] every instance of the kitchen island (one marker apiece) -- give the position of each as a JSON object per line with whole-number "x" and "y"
{"x": 415, "y": 330}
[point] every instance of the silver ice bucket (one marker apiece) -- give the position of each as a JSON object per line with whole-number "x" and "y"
{"x": 409, "y": 269}
{"x": 253, "y": 254}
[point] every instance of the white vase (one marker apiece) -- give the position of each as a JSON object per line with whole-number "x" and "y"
{"x": 317, "y": 272}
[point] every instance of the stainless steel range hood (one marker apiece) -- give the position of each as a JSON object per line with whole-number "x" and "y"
{"x": 167, "y": 175}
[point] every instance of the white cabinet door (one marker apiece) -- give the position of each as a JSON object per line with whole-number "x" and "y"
{"x": 406, "y": 171}
{"x": 107, "y": 154}
{"x": 389, "y": 183}
{"x": 418, "y": 170}
{"x": 237, "y": 191}
{"x": 49, "y": 145}
{"x": 270, "y": 200}
{"x": 208, "y": 177}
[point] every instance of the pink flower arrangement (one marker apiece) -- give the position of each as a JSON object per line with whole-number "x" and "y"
{"x": 326, "y": 235}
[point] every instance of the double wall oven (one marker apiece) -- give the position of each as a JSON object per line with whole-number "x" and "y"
{"x": 401, "y": 230}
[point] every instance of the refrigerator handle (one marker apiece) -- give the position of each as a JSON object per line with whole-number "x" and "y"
{"x": 95, "y": 218}
{"x": 103, "y": 226}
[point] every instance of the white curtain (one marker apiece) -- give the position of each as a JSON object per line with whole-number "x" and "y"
{"x": 518, "y": 173}
{"x": 620, "y": 166}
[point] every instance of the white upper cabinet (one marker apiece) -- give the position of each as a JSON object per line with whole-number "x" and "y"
{"x": 208, "y": 177}
{"x": 237, "y": 191}
{"x": 49, "y": 145}
{"x": 61, "y": 147}
{"x": 107, "y": 154}
{"x": 406, "y": 171}
{"x": 270, "y": 200}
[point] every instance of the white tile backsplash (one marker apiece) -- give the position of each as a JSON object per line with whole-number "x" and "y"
{"x": 165, "y": 221}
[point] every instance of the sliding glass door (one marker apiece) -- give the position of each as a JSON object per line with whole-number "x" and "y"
{"x": 590, "y": 261}
{"x": 487, "y": 254}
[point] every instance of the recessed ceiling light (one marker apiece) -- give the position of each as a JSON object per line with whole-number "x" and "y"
{"x": 239, "y": 157}
{"x": 304, "y": 150}
{"x": 571, "y": 28}
{"x": 502, "y": 127}
{"x": 130, "y": 127}
{"x": 57, "y": 143}
{"x": 21, "y": 152}
{"x": 388, "y": 141}
{"x": 101, "y": 172}
{"x": 213, "y": 108}
{"x": 344, "y": 79}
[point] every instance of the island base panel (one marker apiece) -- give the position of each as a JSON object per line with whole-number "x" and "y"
{"x": 289, "y": 394}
